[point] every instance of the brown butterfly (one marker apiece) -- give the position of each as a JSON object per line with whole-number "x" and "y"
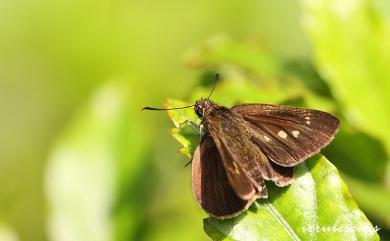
{"x": 247, "y": 144}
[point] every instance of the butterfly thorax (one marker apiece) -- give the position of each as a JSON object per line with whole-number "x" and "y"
{"x": 203, "y": 107}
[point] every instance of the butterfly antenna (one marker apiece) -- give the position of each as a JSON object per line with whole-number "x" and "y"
{"x": 175, "y": 108}
{"x": 215, "y": 83}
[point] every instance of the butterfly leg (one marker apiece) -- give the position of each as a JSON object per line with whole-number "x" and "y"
{"x": 196, "y": 127}
{"x": 200, "y": 129}
{"x": 188, "y": 163}
{"x": 191, "y": 124}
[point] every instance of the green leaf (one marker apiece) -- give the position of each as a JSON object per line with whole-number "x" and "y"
{"x": 370, "y": 194}
{"x": 249, "y": 58}
{"x": 221, "y": 50}
{"x": 317, "y": 206}
{"x": 355, "y": 152}
{"x": 95, "y": 167}
{"x": 317, "y": 203}
{"x": 7, "y": 233}
{"x": 184, "y": 133}
{"x": 351, "y": 44}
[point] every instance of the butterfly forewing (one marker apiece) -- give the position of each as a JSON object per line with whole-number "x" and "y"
{"x": 211, "y": 186}
{"x": 288, "y": 135}
{"x": 234, "y": 144}
{"x": 235, "y": 173}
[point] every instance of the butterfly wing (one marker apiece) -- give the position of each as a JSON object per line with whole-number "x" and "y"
{"x": 288, "y": 135}
{"x": 210, "y": 184}
{"x": 240, "y": 155}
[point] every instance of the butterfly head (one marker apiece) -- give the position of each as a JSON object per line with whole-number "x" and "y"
{"x": 203, "y": 106}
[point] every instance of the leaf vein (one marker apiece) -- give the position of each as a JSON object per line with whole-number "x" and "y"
{"x": 315, "y": 205}
{"x": 282, "y": 222}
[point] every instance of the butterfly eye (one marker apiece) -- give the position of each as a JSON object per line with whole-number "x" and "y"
{"x": 199, "y": 110}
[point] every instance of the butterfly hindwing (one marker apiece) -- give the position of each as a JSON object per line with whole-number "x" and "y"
{"x": 288, "y": 135}
{"x": 211, "y": 186}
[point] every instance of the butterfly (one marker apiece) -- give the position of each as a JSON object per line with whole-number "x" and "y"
{"x": 248, "y": 144}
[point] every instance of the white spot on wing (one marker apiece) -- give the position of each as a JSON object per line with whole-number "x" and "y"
{"x": 282, "y": 134}
{"x": 308, "y": 122}
{"x": 307, "y": 118}
{"x": 267, "y": 138}
{"x": 295, "y": 133}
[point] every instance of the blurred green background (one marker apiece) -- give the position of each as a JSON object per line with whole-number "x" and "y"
{"x": 80, "y": 161}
